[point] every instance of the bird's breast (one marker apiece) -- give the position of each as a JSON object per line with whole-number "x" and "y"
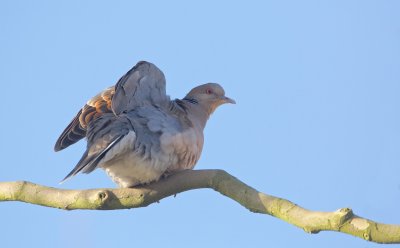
{"x": 184, "y": 148}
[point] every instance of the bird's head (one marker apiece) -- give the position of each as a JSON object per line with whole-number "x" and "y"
{"x": 209, "y": 96}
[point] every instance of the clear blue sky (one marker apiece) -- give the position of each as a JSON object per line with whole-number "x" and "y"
{"x": 317, "y": 86}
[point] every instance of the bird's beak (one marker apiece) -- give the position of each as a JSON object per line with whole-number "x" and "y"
{"x": 228, "y": 100}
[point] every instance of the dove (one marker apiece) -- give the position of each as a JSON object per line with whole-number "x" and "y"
{"x": 136, "y": 133}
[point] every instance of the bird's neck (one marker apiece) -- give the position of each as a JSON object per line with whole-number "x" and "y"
{"x": 196, "y": 112}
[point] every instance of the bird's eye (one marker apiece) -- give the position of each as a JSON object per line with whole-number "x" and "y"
{"x": 209, "y": 91}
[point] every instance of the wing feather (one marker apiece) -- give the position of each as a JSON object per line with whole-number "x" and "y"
{"x": 71, "y": 134}
{"x": 89, "y": 162}
{"x": 144, "y": 84}
{"x": 76, "y": 129}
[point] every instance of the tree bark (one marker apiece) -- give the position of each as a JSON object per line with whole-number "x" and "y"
{"x": 342, "y": 220}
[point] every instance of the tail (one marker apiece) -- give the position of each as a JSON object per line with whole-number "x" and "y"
{"x": 88, "y": 162}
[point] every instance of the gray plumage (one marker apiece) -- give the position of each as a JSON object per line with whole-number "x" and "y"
{"x": 139, "y": 134}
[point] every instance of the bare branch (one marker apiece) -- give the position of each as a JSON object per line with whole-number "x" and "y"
{"x": 342, "y": 220}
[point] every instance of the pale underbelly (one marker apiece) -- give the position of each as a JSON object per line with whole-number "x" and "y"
{"x": 128, "y": 170}
{"x": 128, "y": 167}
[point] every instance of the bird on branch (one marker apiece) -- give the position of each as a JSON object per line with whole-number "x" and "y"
{"x": 136, "y": 133}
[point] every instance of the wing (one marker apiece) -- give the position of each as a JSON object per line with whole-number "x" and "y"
{"x": 94, "y": 108}
{"x": 142, "y": 85}
{"x": 104, "y": 134}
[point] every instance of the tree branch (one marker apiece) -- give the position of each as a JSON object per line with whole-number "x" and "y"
{"x": 342, "y": 220}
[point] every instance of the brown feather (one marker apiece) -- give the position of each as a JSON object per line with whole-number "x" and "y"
{"x": 93, "y": 109}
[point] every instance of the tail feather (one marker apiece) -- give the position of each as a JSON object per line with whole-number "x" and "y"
{"x": 89, "y": 162}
